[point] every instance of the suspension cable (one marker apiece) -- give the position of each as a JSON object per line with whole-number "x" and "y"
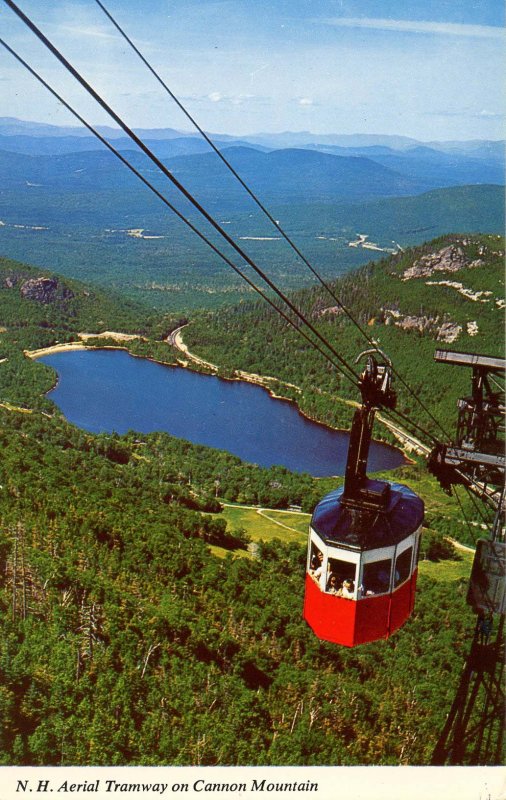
{"x": 186, "y": 193}
{"x": 473, "y": 538}
{"x": 407, "y": 421}
{"x": 186, "y": 221}
{"x": 262, "y": 207}
{"x": 477, "y": 507}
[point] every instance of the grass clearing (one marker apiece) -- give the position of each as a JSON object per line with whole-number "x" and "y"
{"x": 448, "y": 570}
{"x": 222, "y": 552}
{"x": 297, "y": 522}
{"x": 268, "y": 524}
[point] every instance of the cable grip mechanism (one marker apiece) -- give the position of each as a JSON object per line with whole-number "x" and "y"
{"x": 375, "y": 385}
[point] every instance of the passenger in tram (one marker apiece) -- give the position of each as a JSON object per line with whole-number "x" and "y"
{"x": 347, "y": 590}
{"x": 333, "y": 585}
{"x": 383, "y": 581}
{"x": 376, "y": 580}
{"x": 317, "y": 566}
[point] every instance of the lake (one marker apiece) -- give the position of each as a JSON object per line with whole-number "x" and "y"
{"x": 108, "y": 390}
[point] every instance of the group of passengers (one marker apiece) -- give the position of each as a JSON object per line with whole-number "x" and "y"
{"x": 340, "y": 588}
{"x": 346, "y": 589}
{"x": 376, "y": 581}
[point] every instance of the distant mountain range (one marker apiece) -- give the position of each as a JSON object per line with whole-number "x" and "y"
{"x": 67, "y": 203}
{"x": 62, "y": 145}
{"x": 12, "y": 127}
{"x": 286, "y": 167}
{"x": 278, "y": 176}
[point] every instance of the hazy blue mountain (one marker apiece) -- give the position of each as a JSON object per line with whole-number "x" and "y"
{"x": 304, "y": 138}
{"x": 369, "y": 151}
{"x": 475, "y": 148}
{"x": 87, "y": 171}
{"x": 10, "y": 126}
{"x": 440, "y": 168}
{"x": 292, "y": 174}
{"x": 279, "y": 176}
{"x": 48, "y": 145}
{"x": 63, "y": 145}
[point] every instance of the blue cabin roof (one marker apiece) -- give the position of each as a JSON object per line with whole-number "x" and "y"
{"x": 365, "y": 529}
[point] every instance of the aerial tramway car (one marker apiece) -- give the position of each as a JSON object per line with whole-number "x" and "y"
{"x": 364, "y": 540}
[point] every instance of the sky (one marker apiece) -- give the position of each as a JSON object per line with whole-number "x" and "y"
{"x": 420, "y": 68}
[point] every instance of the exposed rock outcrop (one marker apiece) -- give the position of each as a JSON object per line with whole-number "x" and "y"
{"x": 11, "y": 281}
{"x": 449, "y": 332}
{"x": 321, "y": 310}
{"x": 44, "y": 290}
{"x": 448, "y": 259}
{"x": 443, "y": 330}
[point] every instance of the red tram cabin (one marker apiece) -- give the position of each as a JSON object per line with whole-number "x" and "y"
{"x": 362, "y": 566}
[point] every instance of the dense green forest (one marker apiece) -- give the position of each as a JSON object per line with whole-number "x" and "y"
{"x": 124, "y": 639}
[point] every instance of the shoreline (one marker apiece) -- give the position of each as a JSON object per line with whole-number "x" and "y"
{"x": 62, "y": 347}
{"x": 55, "y": 348}
{"x": 407, "y": 443}
{"x": 175, "y": 340}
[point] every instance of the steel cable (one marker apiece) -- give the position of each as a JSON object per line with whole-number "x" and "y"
{"x": 262, "y": 207}
{"x": 186, "y": 221}
{"x": 196, "y": 204}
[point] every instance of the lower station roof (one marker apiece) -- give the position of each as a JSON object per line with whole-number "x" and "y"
{"x": 365, "y": 529}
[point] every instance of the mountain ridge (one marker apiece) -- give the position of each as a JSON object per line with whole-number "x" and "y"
{"x": 15, "y": 126}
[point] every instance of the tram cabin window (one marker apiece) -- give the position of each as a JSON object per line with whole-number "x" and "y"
{"x": 376, "y": 577}
{"x": 315, "y": 562}
{"x": 338, "y": 572}
{"x": 403, "y": 566}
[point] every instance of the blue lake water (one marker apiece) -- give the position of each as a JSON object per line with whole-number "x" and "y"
{"x": 108, "y": 390}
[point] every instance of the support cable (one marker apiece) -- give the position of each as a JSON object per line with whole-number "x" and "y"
{"x": 187, "y": 194}
{"x": 407, "y": 421}
{"x": 493, "y": 380}
{"x": 477, "y": 507}
{"x": 473, "y": 538}
{"x": 186, "y": 221}
{"x": 261, "y": 205}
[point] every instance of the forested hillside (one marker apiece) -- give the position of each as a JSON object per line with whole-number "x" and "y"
{"x": 448, "y": 293}
{"x": 80, "y": 212}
